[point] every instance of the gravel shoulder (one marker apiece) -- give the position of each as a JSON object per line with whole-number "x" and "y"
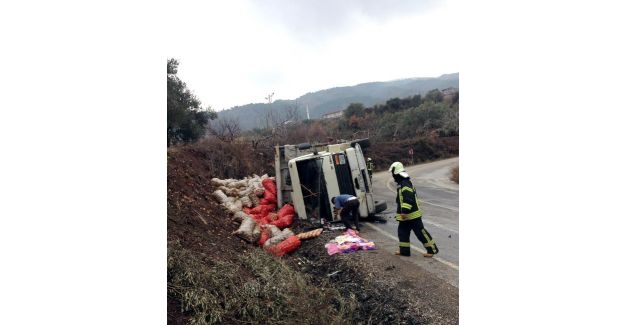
{"x": 389, "y": 288}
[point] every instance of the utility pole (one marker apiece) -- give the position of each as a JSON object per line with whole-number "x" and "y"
{"x": 307, "y": 113}
{"x": 268, "y": 98}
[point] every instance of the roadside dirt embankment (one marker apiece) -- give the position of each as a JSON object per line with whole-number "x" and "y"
{"x": 214, "y": 277}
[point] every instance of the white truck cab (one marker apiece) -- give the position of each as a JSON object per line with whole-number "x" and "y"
{"x": 309, "y": 176}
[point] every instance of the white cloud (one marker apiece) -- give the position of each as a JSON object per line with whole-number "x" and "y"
{"x": 238, "y": 53}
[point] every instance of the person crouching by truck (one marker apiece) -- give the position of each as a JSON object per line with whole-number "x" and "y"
{"x": 347, "y": 205}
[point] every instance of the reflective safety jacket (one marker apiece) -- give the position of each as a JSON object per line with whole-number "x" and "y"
{"x": 407, "y": 201}
{"x": 370, "y": 166}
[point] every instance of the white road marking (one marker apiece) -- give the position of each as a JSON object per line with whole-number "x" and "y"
{"x": 388, "y": 185}
{"x": 437, "y": 225}
{"x": 437, "y": 184}
{"x": 420, "y": 250}
{"x": 438, "y": 205}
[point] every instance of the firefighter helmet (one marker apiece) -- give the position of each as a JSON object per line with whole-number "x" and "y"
{"x": 396, "y": 168}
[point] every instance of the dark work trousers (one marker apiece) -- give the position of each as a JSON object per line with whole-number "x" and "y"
{"x": 350, "y": 208}
{"x": 416, "y": 225}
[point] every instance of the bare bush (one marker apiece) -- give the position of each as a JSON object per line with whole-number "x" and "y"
{"x": 280, "y": 122}
{"x": 256, "y": 288}
{"x": 455, "y": 175}
{"x": 235, "y": 159}
{"x": 226, "y": 129}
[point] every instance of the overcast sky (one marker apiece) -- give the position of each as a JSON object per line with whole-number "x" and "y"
{"x": 237, "y": 52}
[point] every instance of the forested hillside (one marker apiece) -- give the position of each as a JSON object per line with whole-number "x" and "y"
{"x": 259, "y": 115}
{"x": 427, "y": 124}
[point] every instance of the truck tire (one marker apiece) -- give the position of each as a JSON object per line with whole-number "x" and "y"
{"x": 380, "y": 206}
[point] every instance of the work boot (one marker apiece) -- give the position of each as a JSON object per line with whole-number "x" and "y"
{"x": 430, "y": 252}
{"x": 431, "y": 249}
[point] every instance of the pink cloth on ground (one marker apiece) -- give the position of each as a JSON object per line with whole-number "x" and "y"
{"x": 347, "y": 243}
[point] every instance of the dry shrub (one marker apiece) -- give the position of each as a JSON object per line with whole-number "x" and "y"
{"x": 257, "y": 288}
{"x": 424, "y": 148}
{"x": 455, "y": 175}
{"x": 235, "y": 159}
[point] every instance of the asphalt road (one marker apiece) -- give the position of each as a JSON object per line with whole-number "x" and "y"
{"x": 438, "y": 197}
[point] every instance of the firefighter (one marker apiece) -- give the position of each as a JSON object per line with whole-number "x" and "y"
{"x": 370, "y": 169}
{"x": 347, "y": 205}
{"x": 409, "y": 214}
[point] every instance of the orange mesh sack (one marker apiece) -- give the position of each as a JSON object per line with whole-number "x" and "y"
{"x": 260, "y": 219}
{"x": 263, "y": 209}
{"x": 283, "y": 222}
{"x": 286, "y": 246}
{"x": 288, "y": 219}
{"x": 269, "y": 197}
{"x": 270, "y": 186}
{"x": 272, "y": 216}
{"x": 286, "y": 209}
{"x": 255, "y": 210}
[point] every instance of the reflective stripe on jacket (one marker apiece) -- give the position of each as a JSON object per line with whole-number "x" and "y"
{"x": 407, "y": 201}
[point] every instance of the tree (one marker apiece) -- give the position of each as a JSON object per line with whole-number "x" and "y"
{"x": 226, "y": 129}
{"x": 186, "y": 119}
{"x": 434, "y": 95}
{"x": 415, "y": 101}
{"x": 280, "y": 120}
{"x": 354, "y": 109}
{"x": 393, "y": 104}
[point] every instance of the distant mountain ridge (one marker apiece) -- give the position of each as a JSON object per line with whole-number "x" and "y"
{"x": 338, "y": 98}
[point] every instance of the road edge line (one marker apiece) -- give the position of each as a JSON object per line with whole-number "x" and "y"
{"x": 388, "y": 185}
{"x": 422, "y": 251}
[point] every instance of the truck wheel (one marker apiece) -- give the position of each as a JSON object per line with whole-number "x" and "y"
{"x": 380, "y": 206}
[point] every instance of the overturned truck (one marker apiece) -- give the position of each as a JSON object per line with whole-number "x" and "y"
{"x": 308, "y": 176}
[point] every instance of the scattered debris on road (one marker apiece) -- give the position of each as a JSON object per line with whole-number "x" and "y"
{"x": 349, "y": 241}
